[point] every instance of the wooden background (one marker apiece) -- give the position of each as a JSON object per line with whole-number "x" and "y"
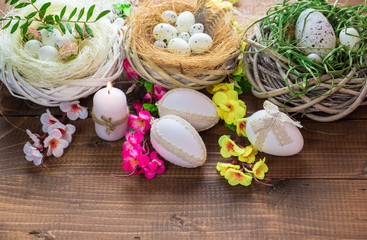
{"x": 320, "y": 193}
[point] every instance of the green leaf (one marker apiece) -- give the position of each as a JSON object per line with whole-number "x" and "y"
{"x": 89, "y": 30}
{"x": 79, "y": 30}
{"x": 25, "y": 26}
{"x": 73, "y": 13}
{"x": 45, "y": 6}
{"x": 150, "y": 107}
{"x": 22, "y": 5}
{"x": 90, "y": 12}
{"x": 148, "y": 86}
{"x": 6, "y": 1}
{"x": 33, "y": 1}
{"x": 31, "y": 15}
{"x": 62, "y": 13}
{"x": 102, "y": 14}
{"x": 69, "y": 28}
{"x": 81, "y": 13}
{"x": 230, "y": 126}
{"x": 49, "y": 17}
{"x": 7, "y": 25}
{"x": 15, "y": 27}
{"x": 57, "y": 18}
{"x": 48, "y": 27}
{"x": 13, "y": 2}
{"x": 62, "y": 28}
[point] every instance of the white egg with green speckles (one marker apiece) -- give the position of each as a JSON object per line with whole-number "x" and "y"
{"x": 184, "y": 21}
{"x": 50, "y": 38}
{"x": 178, "y": 46}
{"x": 200, "y": 42}
{"x": 160, "y": 43}
{"x": 32, "y": 47}
{"x": 349, "y": 41}
{"x": 196, "y": 28}
{"x": 169, "y": 16}
{"x": 165, "y": 32}
{"x": 185, "y": 36}
{"x": 314, "y": 57}
{"x": 48, "y": 53}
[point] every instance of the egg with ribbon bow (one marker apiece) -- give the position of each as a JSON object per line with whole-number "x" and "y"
{"x": 273, "y": 132}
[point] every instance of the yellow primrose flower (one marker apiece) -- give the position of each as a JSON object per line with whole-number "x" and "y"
{"x": 239, "y": 70}
{"x": 229, "y": 107}
{"x": 236, "y": 177}
{"x": 240, "y": 124}
{"x": 223, "y": 167}
{"x": 249, "y": 154}
{"x": 221, "y": 87}
{"x": 230, "y": 148}
{"x": 259, "y": 169}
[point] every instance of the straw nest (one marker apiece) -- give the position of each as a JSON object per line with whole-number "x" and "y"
{"x": 49, "y": 83}
{"x": 169, "y": 70}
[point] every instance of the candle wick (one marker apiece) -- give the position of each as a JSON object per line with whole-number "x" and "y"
{"x": 109, "y": 91}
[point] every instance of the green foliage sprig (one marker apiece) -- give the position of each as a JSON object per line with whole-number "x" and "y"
{"x": 49, "y": 21}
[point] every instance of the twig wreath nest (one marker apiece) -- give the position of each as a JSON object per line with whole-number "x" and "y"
{"x": 170, "y": 70}
{"x": 49, "y": 83}
{"x": 279, "y": 68}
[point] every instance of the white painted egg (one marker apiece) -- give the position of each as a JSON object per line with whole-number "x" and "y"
{"x": 32, "y": 47}
{"x": 349, "y": 41}
{"x": 178, "y": 46}
{"x": 315, "y": 57}
{"x": 169, "y": 16}
{"x": 271, "y": 145}
{"x": 48, "y": 53}
{"x": 185, "y": 36}
{"x": 313, "y": 30}
{"x": 193, "y": 106}
{"x": 160, "y": 43}
{"x": 50, "y": 38}
{"x": 196, "y": 28}
{"x": 184, "y": 21}
{"x": 165, "y": 32}
{"x": 200, "y": 42}
{"x": 178, "y": 142}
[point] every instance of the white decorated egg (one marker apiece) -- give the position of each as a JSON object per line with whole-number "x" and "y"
{"x": 193, "y": 106}
{"x": 160, "y": 43}
{"x": 315, "y": 33}
{"x": 48, "y": 53}
{"x": 185, "y": 36}
{"x": 169, "y": 16}
{"x": 178, "y": 46}
{"x": 315, "y": 57}
{"x": 273, "y": 132}
{"x": 196, "y": 28}
{"x": 184, "y": 21}
{"x": 200, "y": 42}
{"x": 177, "y": 141}
{"x": 349, "y": 41}
{"x": 165, "y": 32}
{"x": 50, "y": 38}
{"x": 32, "y": 47}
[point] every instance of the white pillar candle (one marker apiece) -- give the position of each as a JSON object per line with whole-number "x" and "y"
{"x": 110, "y": 103}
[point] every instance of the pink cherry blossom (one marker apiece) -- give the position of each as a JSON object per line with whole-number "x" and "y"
{"x": 133, "y": 141}
{"x": 138, "y": 106}
{"x": 159, "y": 91}
{"x": 130, "y": 157}
{"x": 32, "y": 154}
{"x": 66, "y": 130}
{"x": 160, "y": 163}
{"x": 74, "y": 110}
{"x": 47, "y": 120}
{"x": 55, "y": 143}
{"x": 140, "y": 123}
{"x": 130, "y": 72}
{"x": 35, "y": 138}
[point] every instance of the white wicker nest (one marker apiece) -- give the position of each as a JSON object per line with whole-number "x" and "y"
{"x": 52, "y": 94}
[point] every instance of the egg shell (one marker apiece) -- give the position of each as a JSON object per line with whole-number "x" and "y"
{"x": 50, "y": 38}
{"x": 178, "y": 142}
{"x": 165, "y": 32}
{"x": 315, "y": 57}
{"x": 48, "y": 53}
{"x": 169, "y": 16}
{"x": 160, "y": 43}
{"x": 349, "y": 41}
{"x": 314, "y": 30}
{"x": 271, "y": 145}
{"x": 185, "y": 36}
{"x": 32, "y": 47}
{"x": 184, "y": 21}
{"x": 200, "y": 42}
{"x": 178, "y": 46}
{"x": 196, "y": 28}
{"x": 193, "y": 106}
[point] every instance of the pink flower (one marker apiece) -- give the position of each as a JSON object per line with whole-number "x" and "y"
{"x": 66, "y": 130}
{"x": 130, "y": 72}
{"x": 138, "y": 106}
{"x": 74, "y": 110}
{"x": 133, "y": 141}
{"x": 55, "y": 143}
{"x": 130, "y": 157}
{"x": 32, "y": 154}
{"x": 160, "y": 163}
{"x": 35, "y": 138}
{"x": 147, "y": 96}
{"x": 47, "y": 120}
{"x": 140, "y": 123}
{"x": 159, "y": 91}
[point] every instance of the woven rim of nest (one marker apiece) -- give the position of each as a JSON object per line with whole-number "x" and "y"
{"x": 333, "y": 99}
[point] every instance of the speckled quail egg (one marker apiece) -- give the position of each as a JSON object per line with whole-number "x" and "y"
{"x": 196, "y": 28}
{"x": 160, "y": 43}
{"x": 178, "y": 46}
{"x": 200, "y": 42}
{"x": 32, "y": 47}
{"x": 185, "y": 36}
{"x": 184, "y": 21}
{"x": 315, "y": 57}
{"x": 50, "y": 38}
{"x": 349, "y": 41}
{"x": 48, "y": 53}
{"x": 169, "y": 16}
{"x": 315, "y": 33}
{"x": 165, "y": 32}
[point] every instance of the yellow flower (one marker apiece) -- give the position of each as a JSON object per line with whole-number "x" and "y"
{"x": 236, "y": 177}
{"x": 223, "y": 167}
{"x": 259, "y": 169}
{"x": 229, "y": 107}
{"x": 243, "y": 44}
{"x": 221, "y": 87}
{"x": 229, "y": 148}
{"x": 249, "y": 155}
{"x": 239, "y": 70}
{"x": 216, "y": 5}
{"x": 241, "y": 126}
